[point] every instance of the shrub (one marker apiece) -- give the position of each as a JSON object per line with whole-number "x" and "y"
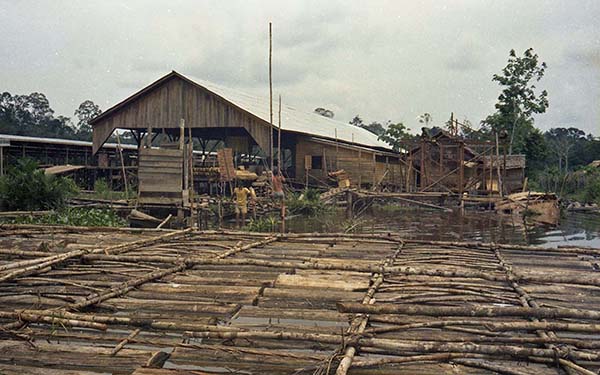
{"x": 263, "y": 224}
{"x": 103, "y": 191}
{"x": 25, "y": 187}
{"x": 307, "y": 203}
{"x": 592, "y": 191}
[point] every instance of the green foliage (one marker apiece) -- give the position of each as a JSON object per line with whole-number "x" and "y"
{"x": 591, "y": 192}
{"x": 103, "y": 191}
{"x": 25, "y": 187}
{"x": 85, "y": 113}
{"x": 566, "y": 145}
{"x": 374, "y": 127}
{"x": 306, "y": 203}
{"x": 87, "y": 217}
{"x": 536, "y": 151}
{"x": 32, "y": 115}
{"x": 263, "y": 224}
{"x": 518, "y": 100}
{"x": 396, "y": 135}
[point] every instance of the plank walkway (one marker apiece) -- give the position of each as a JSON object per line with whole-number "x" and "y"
{"x": 143, "y": 302}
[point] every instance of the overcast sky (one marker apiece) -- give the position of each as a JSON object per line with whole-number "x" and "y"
{"x": 383, "y": 60}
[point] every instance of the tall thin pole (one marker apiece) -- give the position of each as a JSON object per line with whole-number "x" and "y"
{"x": 122, "y": 165}
{"x": 279, "y": 139}
{"x": 270, "y": 95}
{"x": 191, "y": 176}
{"x": 500, "y": 187}
{"x": 336, "y": 150}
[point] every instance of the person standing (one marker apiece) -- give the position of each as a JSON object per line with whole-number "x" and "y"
{"x": 241, "y": 204}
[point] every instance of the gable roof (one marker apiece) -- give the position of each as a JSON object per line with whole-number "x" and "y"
{"x": 292, "y": 119}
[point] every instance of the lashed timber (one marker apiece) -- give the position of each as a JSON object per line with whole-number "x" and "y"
{"x": 220, "y": 301}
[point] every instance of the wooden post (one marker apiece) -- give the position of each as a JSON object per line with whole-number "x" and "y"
{"x": 336, "y": 151}
{"x": 149, "y": 137}
{"x": 422, "y": 169}
{"x": 500, "y": 187}
{"x": 181, "y": 133}
{"x": 1, "y": 161}
{"x": 441, "y": 147}
{"x": 504, "y": 168}
{"x": 279, "y": 140}
{"x": 185, "y": 155}
{"x": 461, "y": 160}
{"x": 270, "y": 95}
{"x": 122, "y": 165}
{"x": 359, "y": 170}
{"x": 409, "y": 173}
{"x": 483, "y": 171}
{"x": 349, "y": 204}
{"x": 374, "y": 182}
{"x": 191, "y": 176}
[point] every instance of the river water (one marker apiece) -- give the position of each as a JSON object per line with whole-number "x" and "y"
{"x": 573, "y": 229}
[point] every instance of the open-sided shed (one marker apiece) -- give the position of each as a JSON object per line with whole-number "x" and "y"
{"x": 312, "y": 145}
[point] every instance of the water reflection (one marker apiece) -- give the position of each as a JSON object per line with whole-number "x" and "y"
{"x": 574, "y": 229}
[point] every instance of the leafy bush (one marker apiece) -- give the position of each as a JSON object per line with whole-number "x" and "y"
{"x": 87, "y": 217}
{"x": 592, "y": 191}
{"x": 263, "y": 224}
{"x": 103, "y": 191}
{"x": 25, "y": 187}
{"x": 307, "y": 203}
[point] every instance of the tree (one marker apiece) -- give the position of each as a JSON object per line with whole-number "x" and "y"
{"x": 31, "y": 115}
{"x": 518, "y": 100}
{"x": 425, "y": 118}
{"x": 374, "y": 127}
{"x": 396, "y": 135}
{"x": 536, "y": 151}
{"x": 562, "y": 141}
{"x": 324, "y": 112}
{"x": 357, "y": 121}
{"x": 86, "y": 111}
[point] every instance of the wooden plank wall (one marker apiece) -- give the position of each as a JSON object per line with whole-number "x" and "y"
{"x": 160, "y": 176}
{"x": 360, "y": 164}
{"x": 166, "y": 104}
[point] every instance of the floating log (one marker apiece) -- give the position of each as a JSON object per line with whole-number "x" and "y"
{"x": 478, "y": 311}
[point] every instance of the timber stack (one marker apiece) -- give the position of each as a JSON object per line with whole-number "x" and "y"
{"x": 77, "y": 300}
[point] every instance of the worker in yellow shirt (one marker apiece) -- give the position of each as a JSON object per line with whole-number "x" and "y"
{"x": 241, "y": 203}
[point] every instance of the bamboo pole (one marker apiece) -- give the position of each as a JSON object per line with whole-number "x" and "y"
{"x": 50, "y": 261}
{"x": 279, "y": 140}
{"x": 122, "y": 344}
{"x": 271, "y": 95}
{"x": 518, "y": 325}
{"x": 359, "y": 323}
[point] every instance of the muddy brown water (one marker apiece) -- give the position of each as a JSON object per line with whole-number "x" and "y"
{"x": 573, "y": 229}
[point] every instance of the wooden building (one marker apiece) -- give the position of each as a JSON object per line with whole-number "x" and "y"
{"x": 445, "y": 163}
{"x": 49, "y": 152}
{"x": 215, "y": 117}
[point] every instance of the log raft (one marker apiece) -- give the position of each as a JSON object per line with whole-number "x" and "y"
{"x": 97, "y": 301}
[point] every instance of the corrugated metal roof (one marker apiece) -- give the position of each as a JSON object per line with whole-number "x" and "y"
{"x": 60, "y": 141}
{"x": 293, "y": 119}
